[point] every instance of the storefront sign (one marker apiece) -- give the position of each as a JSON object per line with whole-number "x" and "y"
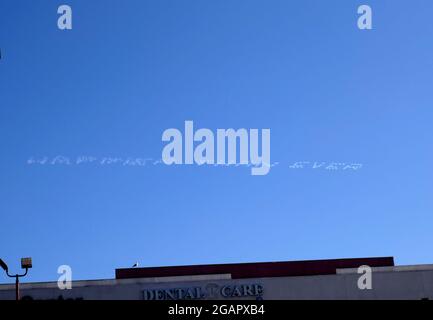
{"x": 210, "y": 291}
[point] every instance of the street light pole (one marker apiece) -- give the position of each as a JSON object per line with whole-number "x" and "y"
{"x": 26, "y": 263}
{"x": 17, "y": 288}
{"x": 17, "y": 283}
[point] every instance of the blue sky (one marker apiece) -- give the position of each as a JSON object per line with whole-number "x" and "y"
{"x": 128, "y": 70}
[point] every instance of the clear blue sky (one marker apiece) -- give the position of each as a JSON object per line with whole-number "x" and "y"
{"x": 131, "y": 69}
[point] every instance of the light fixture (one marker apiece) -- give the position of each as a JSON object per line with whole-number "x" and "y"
{"x": 4, "y": 265}
{"x": 26, "y": 263}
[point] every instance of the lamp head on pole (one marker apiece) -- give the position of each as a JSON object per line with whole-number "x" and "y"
{"x": 4, "y": 265}
{"x": 26, "y": 263}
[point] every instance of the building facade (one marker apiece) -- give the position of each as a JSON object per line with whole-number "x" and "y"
{"x": 316, "y": 279}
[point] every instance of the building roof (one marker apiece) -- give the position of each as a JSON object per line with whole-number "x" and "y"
{"x": 258, "y": 269}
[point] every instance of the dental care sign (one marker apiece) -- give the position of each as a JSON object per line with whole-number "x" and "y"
{"x": 210, "y": 291}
